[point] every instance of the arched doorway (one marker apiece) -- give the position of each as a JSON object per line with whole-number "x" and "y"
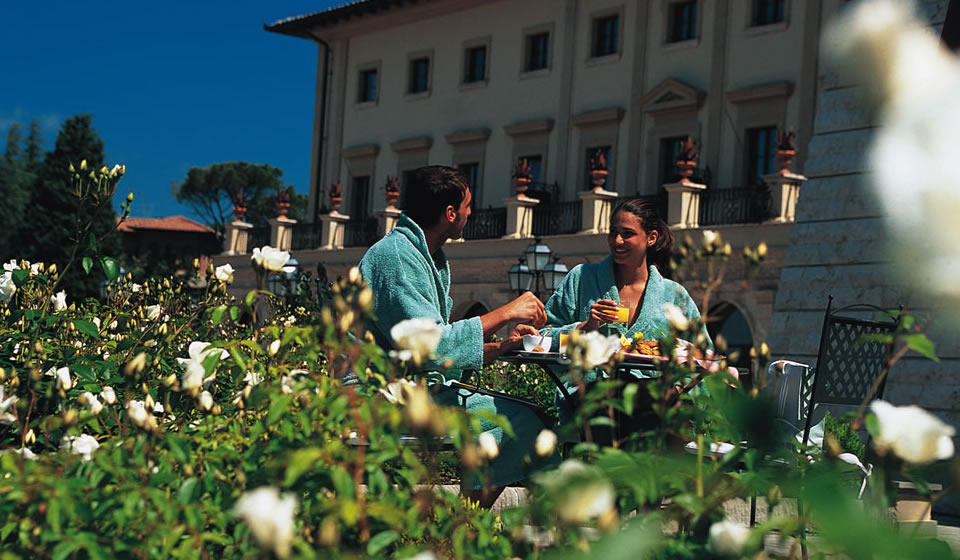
{"x": 727, "y": 320}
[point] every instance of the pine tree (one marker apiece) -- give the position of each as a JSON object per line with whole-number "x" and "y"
{"x": 17, "y": 174}
{"x": 58, "y": 222}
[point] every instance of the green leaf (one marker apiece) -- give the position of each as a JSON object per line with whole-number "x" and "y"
{"x": 380, "y": 541}
{"x": 63, "y": 549}
{"x": 178, "y": 447}
{"x": 342, "y": 482}
{"x": 872, "y": 424}
{"x": 87, "y": 328}
{"x": 110, "y": 267}
{"x": 277, "y": 408}
{"x": 217, "y": 314}
{"x": 629, "y": 397}
{"x": 300, "y": 462}
{"x": 83, "y": 371}
{"x": 920, "y": 344}
{"x": 87, "y": 264}
{"x": 234, "y": 313}
{"x": 251, "y": 297}
{"x": 20, "y": 276}
{"x": 53, "y": 514}
{"x": 92, "y": 242}
{"x": 188, "y": 491}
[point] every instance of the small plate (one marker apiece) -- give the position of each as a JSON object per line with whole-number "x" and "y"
{"x": 526, "y": 354}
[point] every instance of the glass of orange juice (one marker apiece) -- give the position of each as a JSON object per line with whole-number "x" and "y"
{"x": 564, "y": 337}
{"x": 622, "y": 315}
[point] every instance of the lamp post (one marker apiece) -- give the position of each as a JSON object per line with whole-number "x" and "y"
{"x": 534, "y": 269}
{"x": 284, "y": 283}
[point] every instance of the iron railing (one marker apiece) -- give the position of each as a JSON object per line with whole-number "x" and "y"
{"x": 558, "y": 218}
{"x": 306, "y": 236}
{"x": 659, "y": 200}
{"x": 745, "y": 205}
{"x": 361, "y": 233}
{"x": 489, "y": 223}
{"x": 258, "y": 236}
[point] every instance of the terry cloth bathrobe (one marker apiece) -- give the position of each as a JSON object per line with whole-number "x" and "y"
{"x": 408, "y": 283}
{"x": 586, "y": 283}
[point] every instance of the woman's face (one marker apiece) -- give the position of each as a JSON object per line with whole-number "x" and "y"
{"x": 628, "y": 240}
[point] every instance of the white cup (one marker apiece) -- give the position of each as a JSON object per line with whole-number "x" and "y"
{"x": 532, "y": 342}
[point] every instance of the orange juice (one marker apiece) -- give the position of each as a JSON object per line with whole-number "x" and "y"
{"x": 564, "y": 337}
{"x": 622, "y": 314}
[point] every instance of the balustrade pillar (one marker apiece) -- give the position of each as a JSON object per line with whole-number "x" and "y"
{"x": 387, "y": 220}
{"x": 683, "y": 203}
{"x": 333, "y": 227}
{"x": 519, "y": 216}
{"x": 236, "y": 237}
{"x": 281, "y": 232}
{"x": 784, "y": 191}
{"x": 597, "y": 207}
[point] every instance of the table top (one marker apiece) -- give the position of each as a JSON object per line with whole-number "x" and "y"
{"x": 630, "y": 361}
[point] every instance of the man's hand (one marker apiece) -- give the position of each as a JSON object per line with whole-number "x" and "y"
{"x": 527, "y": 309}
{"x": 515, "y": 340}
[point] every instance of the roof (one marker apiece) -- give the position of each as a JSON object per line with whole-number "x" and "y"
{"x": 300, "y": 26}
{"x": 170, "y": 223}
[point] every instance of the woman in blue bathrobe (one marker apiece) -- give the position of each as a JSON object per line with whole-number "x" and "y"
{"x": 641, "y": 244}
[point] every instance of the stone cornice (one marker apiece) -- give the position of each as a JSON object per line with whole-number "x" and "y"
{"x": 412, "y": 144}
{"x": 536, "y": 126}
{"x": 468, "y": 135}
{"x": 760, "y": 92}
{"x": 672, "y": 95}
{"x": 361, "y": 151}
{"x": 600, "y": 116}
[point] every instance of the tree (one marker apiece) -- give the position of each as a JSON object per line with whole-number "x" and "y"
{"x": 211, "y": 192}
{"x": 18, "y": 169}
{"x": 57, "y": 221}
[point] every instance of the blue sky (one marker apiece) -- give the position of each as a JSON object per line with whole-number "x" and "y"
{"x": 170, "y": 85}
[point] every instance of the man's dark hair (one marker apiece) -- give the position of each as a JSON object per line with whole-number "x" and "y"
{"x": 430, "y": 190}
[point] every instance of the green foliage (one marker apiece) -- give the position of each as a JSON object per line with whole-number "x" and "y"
{"x": 841, "y": 429}
{"x": 211, "y": 192}
{"x": 194, "y": 430}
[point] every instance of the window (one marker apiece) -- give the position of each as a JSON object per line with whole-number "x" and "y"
{"x": 475, "y": 64}
{"x": 591, "y": 152}
{"x": 538, "y": 52}
{"x": 419, "y": 75}
{"x": 471, "y": 173}
{"x": 669, "y": 154}
{"x": 761, "y": 150}
{"x": 682, "y": 22}
{"x": 535, "y": 163}
{"x": 606, "y": 38}
{"x": 360, "y": 197}
{"x": 367, "y": 86}
{"x": 766, "y": 12}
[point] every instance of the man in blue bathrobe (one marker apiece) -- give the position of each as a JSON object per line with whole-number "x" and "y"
{"x": 410, "y": 278}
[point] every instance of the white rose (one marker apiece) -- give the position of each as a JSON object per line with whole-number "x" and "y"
{"x": 224, "y": 273}
{"x": 710, "y": 238}
{"x": 63, "y": 378}
{"x": 35, "y": 269}
{"x": 108, "y": 395}
{"x": 420, "y": 336}
{"x": 11, "y": 266}
{"x": 394, "y": 391}
{"x": 205, "y": 401}
{"x": 59, "y": 301}
{"x": 545, "y": 443}
{"x": 581, "y": 491}
{"x": 83, "y": 444}
{"x": 270, "y": 517}
{"x": 6, "y": 403}
{"x": 273, "y": 347}
{"x": 727, "y": 539}
{"x": 135, "y": 287}
{"x": 90, "y": 401}
{"x": 913, "y": 434}
{"x": 599, "y": 348}
{"x": 488, "y": 446}
{"x": 153, "y": 312}
{"x": 675, "y": 316}
{"x": 7, "y": 286}
{"x": 137, "y": 413}
{"x": 271, "y": 259}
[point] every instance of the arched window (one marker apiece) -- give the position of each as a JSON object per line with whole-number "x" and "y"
{"x": 728, "y": 321}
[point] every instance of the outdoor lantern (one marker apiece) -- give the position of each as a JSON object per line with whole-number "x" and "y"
{"x": 554, "y": 273}
{"x": 520, "y": 277}
{"x": 538, "y": 255}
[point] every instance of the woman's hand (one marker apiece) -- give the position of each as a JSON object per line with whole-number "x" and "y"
{"x": 602, "y": 311}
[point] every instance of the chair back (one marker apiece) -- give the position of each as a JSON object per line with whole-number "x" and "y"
{"x": 848, "y": 367}
{"x": 790, "y": 386}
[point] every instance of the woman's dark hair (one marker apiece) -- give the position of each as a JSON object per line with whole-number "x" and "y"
{"x": 660, "y": 252}
{"x": 430, "y": 190}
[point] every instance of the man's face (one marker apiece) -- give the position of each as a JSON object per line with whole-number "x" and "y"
{"x": 463, "y": 212}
